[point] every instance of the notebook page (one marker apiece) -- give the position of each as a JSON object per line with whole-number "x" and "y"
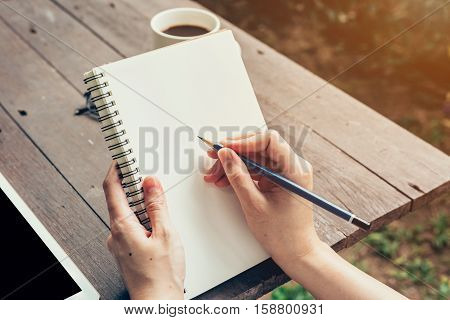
{"x": 198, "y": 87}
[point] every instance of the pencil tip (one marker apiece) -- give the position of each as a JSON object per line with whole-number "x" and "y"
{"x": 209, "y": 143}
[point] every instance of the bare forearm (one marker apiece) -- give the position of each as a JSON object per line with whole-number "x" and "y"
{"x": 328, "y": 276}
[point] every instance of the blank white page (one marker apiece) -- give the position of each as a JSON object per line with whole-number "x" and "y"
{"x": 198, "y": 84}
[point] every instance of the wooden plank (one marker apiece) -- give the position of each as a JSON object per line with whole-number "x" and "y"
{"x": 334, "y": 170}
{"x": 61, "y": 146}
{"x": 129, "y": 36}
{"x": 65, "y": 32}
{"x": 63, "y": 58}
{"x": 41, "y": 43}
{"x": 71, "y": 222}
{"x": 140, "y": 27}
{"x": 74, "y": 144}
{"x": 409, "y": 164}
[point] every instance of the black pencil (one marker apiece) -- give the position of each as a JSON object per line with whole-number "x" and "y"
{"x": 299, "y": 190}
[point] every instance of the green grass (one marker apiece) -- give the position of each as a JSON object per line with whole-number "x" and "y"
{"x": 385, "y": 242}
{"x": 436, "y": 135}
{"x": 441, "y": 231}
{"x": 410, "y": 249}
{"x": 289, "y": 292}
{"x": 420, "y": 270}
{"x": 444, "y": 288}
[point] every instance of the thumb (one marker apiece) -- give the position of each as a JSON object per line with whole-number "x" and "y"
{"x": 238, "y": 175}
{"x": 155, "y": 203}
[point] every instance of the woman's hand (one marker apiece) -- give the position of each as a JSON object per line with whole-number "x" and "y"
{"x": 281, "y": 221}
{"x": 152, "y": 264}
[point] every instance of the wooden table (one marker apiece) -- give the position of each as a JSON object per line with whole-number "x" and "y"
{"x": 57, "y": 161}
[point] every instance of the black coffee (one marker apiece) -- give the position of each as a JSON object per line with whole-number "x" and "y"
{"x": 186, "y": 31}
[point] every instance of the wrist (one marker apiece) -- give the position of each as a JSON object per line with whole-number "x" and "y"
{"x": 300, "y": 258}
{"x": 318, "y": 251}
{"x": 157, "y": 295}
{"x": 162, "y": 291}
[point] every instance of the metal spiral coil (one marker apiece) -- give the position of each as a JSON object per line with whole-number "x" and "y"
{"x": 131, "y": 183}
{"x": 109, "y": 116}
{"x": 96, "y": 87}
{"x": 92, "y": 78}
{"x": 118, "y": 145}
{"x": 115, "y": 135}
{"x": 135, "y": 203}
{"x": 105, "y": 106}
{"x": 129, "y": 173}
{"x": 102, "y": 96}
{"x": 126, "y": 163}
{"x": 119, "y": 136}
{"x": 134, "y": 193}
{"x": 112, "y": 125}
{"x": 140, "y": 211}
{"x": 122, "y": 154}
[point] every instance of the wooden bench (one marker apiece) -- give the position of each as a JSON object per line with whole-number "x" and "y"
{"x": 57, "y": 161}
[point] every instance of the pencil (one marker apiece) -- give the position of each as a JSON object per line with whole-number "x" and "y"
{"x": 297, "y": 189}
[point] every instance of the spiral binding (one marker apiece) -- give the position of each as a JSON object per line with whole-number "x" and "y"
{"x": 118, "y": 143}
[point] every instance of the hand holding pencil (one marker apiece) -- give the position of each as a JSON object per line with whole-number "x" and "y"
{"x": 258, "y": 170}
{"x": 280, "y": 221}
{"x": 283, "y": 222}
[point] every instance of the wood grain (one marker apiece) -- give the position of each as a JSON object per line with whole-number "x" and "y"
{"x": 408, "y": 163}
{"x": 65, "y": 48}
{"x": 70, "y": 221}
{"x": 333, "y": 168}
{"x": 44, "y": 44}
{"x": 95, "y": 36}
{"x": 74, "y": 144}
{"x": 52, "y": 50}
{"x": 50, "y": 96}
{"x": 265, "y": 92}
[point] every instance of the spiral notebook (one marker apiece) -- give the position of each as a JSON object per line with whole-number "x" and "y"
{"x": 152, "y": 107}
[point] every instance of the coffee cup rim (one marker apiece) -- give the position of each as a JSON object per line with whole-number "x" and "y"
{"x": 163, "y": 34}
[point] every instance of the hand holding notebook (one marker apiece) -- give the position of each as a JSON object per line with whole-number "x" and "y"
{"x": 153, "y": 266}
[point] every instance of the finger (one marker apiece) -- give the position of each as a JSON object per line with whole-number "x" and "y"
{"x": 262, "y": 160}
{"x": 115, "y": 197}
{"x": 212, "y": 154}
{"x": 215, "y": 173}
{"x": 265, "y": 185}
{"x": 270, "y": 144}
{"x": 238, "y": 176}
{"x": 243, "y": 136}
{"x": 109, "y": 243}
{"x": 155, "y": 203}
{"x": 222, "y": 182}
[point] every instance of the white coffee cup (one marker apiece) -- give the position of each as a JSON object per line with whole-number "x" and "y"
{"x": 181, "y": 17}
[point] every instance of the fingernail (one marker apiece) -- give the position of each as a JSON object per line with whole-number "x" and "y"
{"x": 151, "y": 186}
{"x": 226, "y": 157}
{"x": 225, "y": 154}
